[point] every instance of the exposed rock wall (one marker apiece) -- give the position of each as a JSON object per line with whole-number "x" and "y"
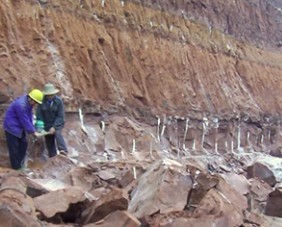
{"x": 256, "y": 21}
{"x": 193, "y": 85}
{"x": 144, "y": 54}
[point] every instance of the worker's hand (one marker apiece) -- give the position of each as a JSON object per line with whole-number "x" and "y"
{"x": 52, "y": 130}
{"x": 38, "y": 135}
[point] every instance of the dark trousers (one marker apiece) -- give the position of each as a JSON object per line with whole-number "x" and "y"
{"x": 53, "y": 140}
{"x": 17, "y": 149}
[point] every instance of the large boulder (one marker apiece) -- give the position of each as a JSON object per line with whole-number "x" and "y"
{"x": 266, "y": 168}
{"x": 163, "y": 188}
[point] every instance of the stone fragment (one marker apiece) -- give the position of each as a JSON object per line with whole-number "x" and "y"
{"x": 274, "y": 203}
{"x": 50, "y": 184}
{"x": 16, "y": 208}
{"x": 262, "y": 172}
{"x": 203, "y": 221}
{"x": 118, "y": 218}
{"x": 267, "y": 169}
{"x": 207, "y": 181}
{"x": 260, "y": 190}
{"x": 82, "y": 177}
{"x": 106, "y": 204}
{"x": 58, "y": 167}
{"x": 232, "y": 195}
{"x": 203, "y": 182}
{"x": 106, "y": 175}
{"x": 161, "y": 189}
{"x": 217, "y": 204}
{"x": 58, "y": 201}
{"x": 238, "y": 181}
{"x": 276, "y": 153}
{"x": 125, "y": 179}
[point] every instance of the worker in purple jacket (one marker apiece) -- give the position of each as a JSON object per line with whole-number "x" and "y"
{"x": 17, "y": 122}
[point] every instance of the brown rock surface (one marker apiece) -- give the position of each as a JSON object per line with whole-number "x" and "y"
{"x": 16, "y": 208}
{"x": 273, "y": 205}
{"x": 267, "y": 169}
{"x": 140, "y": 56}
{"x": 171, "y": 101}
{"x": 107, "y": 203}
{"x": 58, "y": 201}
{"x": 161, "y": 189}
{"x": 117, "y": 218}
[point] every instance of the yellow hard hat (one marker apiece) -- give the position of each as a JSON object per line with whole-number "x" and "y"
{"x": 36, "y": 95}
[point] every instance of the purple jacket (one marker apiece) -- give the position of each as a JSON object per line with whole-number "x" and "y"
{"x": 19, "y": 117}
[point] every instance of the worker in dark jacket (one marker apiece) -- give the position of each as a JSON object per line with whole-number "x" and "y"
{"x": 17, "y": 122}
{"x": 51, "y": 112}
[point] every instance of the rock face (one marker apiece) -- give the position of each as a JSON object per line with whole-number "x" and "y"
{"x": 146, "y": 54}
{"x": 169, "y": 105}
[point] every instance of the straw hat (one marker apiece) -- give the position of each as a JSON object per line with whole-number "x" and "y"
{"x": 49, "y": 89}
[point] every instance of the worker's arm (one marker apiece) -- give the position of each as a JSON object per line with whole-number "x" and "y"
{"x": 25, "y": 118}
{"x": 60, "y": 118}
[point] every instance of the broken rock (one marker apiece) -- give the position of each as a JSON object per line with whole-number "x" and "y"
{"x": 58, "y": 201}
{"x": 162, "y": 189}
{"x": 118, "y": 218}
{"x": 16, "y": 208}
{"x": 216, "y": 204}
{"x": 109, "y": 202}
{"x": 274, "y": 203}
{"x": 267, "y": 169}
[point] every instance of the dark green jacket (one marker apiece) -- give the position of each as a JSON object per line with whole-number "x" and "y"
{"x": 52, "y": 115}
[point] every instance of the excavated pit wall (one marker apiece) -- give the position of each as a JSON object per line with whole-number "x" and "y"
{"x": 144, "y": 58}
